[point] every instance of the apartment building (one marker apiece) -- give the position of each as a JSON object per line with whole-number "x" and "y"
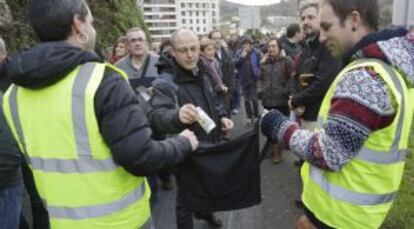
{"x": 165, "y": 16}
{"x": 201, "y": 16}
{"x": 160, "y": 17}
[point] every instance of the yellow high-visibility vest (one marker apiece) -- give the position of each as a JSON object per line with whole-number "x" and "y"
{"x": 73, "y": 168}
{"x": 362, "y": 192}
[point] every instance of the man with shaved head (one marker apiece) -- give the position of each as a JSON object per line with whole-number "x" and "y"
{"x": 185, "y": 86}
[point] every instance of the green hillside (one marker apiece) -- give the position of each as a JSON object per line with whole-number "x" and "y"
{"x": 112, "y": 18}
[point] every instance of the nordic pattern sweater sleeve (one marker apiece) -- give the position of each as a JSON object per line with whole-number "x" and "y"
{"x": 362, "y": 104}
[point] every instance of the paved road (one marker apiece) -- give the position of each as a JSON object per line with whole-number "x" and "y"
{"x": 280, "y": 187}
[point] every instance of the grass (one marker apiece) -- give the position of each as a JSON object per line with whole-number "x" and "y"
{"x": 401, "y": 215}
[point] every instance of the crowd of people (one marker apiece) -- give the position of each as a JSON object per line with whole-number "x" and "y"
{"x": 89, "y": 138}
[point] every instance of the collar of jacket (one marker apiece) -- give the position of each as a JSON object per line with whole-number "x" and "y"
{"x": 273, "y": 59}
{"x": 185, "y": 76}
{"x": 47, "y": 63}
{"x": 312, "y": 41}
{"x": 371, "y": 39}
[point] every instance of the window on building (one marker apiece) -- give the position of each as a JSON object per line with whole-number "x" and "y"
{"x": 198, "y": 29}
{"x": 190, "y": 5}
{"x": 191, "y": 21}
{"x": 182, "y": 5}
{"x": 197, "y": 13}
{"x": 191, "y": 13}
{"x": 213, "y": 6}
{"x": 204, "y": 21}
{"x": 197, "y": 21}
{"x": 197, "y": 5}
{"x": 184, "y": 21}
{"x": 182, "y": 13}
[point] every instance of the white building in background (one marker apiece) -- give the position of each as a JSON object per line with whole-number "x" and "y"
{"x": 249, "y": 17}
{"x": 164, "y": 16}
{"x": 160, "y": 17}
{"x": 201, "y": 16}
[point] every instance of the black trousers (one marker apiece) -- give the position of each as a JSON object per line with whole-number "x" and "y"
{"x": 38, "y": 210}
{"x": 251, "y": 100}
{"x": 184, "y": 217}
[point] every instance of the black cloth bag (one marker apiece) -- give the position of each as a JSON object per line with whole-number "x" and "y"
{"x": 221, "y": 177}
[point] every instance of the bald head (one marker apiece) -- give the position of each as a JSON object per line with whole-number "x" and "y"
{"x": 185, "y": 48}
{"x": 182, "y": 33}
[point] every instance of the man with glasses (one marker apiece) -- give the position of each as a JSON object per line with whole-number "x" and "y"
{"x": 139, "y": 64}
{"x": 183, "y": 88}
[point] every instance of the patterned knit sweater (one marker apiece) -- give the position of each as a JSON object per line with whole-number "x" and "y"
{"x": 362, "y": 103}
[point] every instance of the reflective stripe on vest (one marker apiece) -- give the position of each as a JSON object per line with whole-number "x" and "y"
{"x": 346, "y": 195}
{"x": 98, "y": 210}
{"x": 85, "y": 163}
{"x": 390, "y": 157}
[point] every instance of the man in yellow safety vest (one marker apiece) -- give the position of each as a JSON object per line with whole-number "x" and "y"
{"x": 355, "y": 158}
{"x": 81, "y": 127}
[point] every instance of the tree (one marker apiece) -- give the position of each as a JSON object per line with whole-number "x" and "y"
{"x": 112, "y": 19}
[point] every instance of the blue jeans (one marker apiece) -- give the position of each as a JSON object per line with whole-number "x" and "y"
{"x": 11, "y": 199}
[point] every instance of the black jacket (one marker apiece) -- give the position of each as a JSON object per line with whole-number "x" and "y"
{"x": 176, "y": 87}
{"x": 227, "y": 69}
{"x": 291, "y": 49}
{"x": 274, "y": 80}
{"x": 218, "y": 176}
{"x": 120, "y": 117}
{"x": 315, "y": 59}
{"x": 10, "y": 156}
{"x": 4, "y": 79}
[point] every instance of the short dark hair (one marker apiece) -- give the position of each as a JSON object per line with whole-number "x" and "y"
{"x": 292, "y": 30}
{"x": 368, "y": 9}
{"x": 52, "y": 19}
{"x": 246, "y": 39}
{"x": 308, "y": 4}
{"x": 210, "y": 34}
{"x": 278, "y": 41}
{"x": 164, "y": 44}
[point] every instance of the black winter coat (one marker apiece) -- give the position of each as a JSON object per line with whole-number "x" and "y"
{"x": 176, "y": 87}
{"x": 10, "y": 156}
{"x": 274, "y": 81}
{"x": 121, "y": 118}
{"x": 227, "y": 70}
{"x": 315, "y": 59}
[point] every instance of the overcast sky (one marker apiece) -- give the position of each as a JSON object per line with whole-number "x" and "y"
{"x": 255, "y": 2}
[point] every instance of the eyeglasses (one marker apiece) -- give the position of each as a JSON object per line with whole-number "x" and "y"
{"x": 135, "y": 40}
